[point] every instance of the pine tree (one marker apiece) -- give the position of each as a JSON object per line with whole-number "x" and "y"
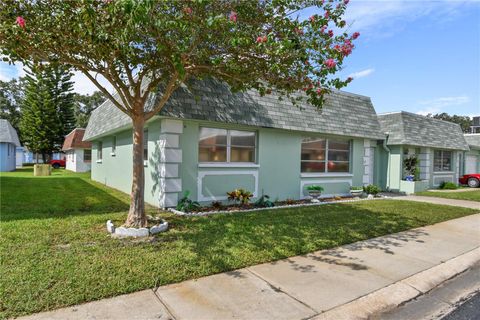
{"x": 47, "y": 109}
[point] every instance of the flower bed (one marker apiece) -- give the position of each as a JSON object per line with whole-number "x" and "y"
{"x": 208, "y": 210}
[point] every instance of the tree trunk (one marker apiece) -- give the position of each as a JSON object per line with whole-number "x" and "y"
{"x": 136, "y": 215}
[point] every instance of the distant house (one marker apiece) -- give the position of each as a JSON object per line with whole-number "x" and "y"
{"x": 8, "y": 143}
{"x": 472, "y": 157}
{"x": 79, "y": 152}
{"x": 438, "y": 145}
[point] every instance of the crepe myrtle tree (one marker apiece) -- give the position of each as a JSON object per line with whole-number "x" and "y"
{"x": 146, "y": 46}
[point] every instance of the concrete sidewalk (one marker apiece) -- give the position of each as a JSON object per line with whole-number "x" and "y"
{"x": 444, "y": 201}
{"x": 346, "y": 282}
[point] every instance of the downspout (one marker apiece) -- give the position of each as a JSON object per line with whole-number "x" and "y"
{"x": 385, "y": 147}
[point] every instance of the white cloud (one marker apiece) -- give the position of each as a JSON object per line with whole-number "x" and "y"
{"x": 438, "y": 104}
{"x": 83, "y": 85}
{"x": 382, "y": 18}
{"x": 361, "y": 74}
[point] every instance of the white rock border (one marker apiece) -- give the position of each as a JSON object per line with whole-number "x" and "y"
{"x": 136, "y": 232}
{"x": 200, "y": 214}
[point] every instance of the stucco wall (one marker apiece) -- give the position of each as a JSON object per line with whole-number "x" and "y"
{"x": 276, "y": 173}
{"x": 7, "y": 157}
{"x": 74, "y": 161}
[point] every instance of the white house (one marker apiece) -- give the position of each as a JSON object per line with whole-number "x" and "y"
{"x": 79, "y": 152}
{"x": 8, "y": 142}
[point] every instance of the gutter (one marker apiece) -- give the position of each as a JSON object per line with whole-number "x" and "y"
{"x": 385, "y": 147}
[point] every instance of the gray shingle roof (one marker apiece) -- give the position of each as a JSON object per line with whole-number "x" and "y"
{"x": 343, "y": 114}
{"x": 412, "y": 129}
{"x": 8, "y": 133}
{"x": 473, "y": 140}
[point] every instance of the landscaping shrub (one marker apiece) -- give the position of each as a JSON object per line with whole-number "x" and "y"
{"x": 186, "y": 204}
{"x": 240, "y": 195}
{"x": 264, "y": 202}
{"x": 372, "y": 189}
{"x": 447, "y": 185}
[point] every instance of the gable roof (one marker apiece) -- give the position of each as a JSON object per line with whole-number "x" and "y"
{"x": 473, "y": 140}
{"x": 405, "y": 128}
{"x": 211, "y": 100}
{"x": 75, "y": 140}
{"x": 8, "y": 133}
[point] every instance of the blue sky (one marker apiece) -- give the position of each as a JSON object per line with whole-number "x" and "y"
{"x": 417, "y": 56}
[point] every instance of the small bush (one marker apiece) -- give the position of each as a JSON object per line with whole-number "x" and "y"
{"x": 447, "y": 185}
{"x": 264, "y": 202}
{"x": 240, "y": 195}
{"x": 186, "y": 204}
{"x": 372, "y": 189}
{"x": 216, "y": 204}
{"x": 315, "y": 188}
{"x": 356, "y": 188}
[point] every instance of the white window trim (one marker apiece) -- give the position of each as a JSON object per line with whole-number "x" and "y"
{"x": 326, "y": 173}
{"x": 228, "y": 163}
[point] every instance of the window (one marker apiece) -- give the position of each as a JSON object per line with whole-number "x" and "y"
{"x": 222, "y": 145}
{"x": 325, "y": 155}
{"x": 99, "y": 150}
{"x": 145, "y": 144}
{"x": 87, "y": 155}
{"x": 442, "y": 160}
{"x": 114, "y": 144}
{"x": 8, "y": 149}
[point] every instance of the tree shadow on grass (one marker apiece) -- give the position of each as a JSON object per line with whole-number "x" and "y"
{"x": 33, "y": 198}
{"x": 232, "y": 241}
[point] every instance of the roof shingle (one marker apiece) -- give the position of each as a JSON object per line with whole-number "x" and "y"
{"x": 75, "y": 140}
{"x": 473, "y": 140}
{"x": 8, "y": 133}
{"x": 211, "y": 100}
{"x": 405, "y": 128}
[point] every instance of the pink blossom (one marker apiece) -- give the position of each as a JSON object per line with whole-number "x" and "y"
{"x": 346, "y": 1}
{"x": 233, "y": 16}
{"x": 188, "y": 10}
{"x": 330, "y": 33}
{"x": 327, "y": 14}
{"x": 298, "y": 31}
{"x": 21, "y": 22}
{"x": 312, "y": 19}
{"x": 261, "y": 39}
{"x": 330, "y": 63}
{"x": 355, "y": 35}
{"x": 322, "y": 29}
{"x": 349, "y": 79}
{"x": 319, "y": 91}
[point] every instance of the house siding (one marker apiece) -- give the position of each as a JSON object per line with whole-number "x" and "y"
{"x": 173, "y": 166}
{"x": 7, "y": 157}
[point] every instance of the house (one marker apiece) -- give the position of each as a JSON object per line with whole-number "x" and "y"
{"x": 472, "y": 157}
{"x": 211, "y": 141}
{"x": 8, "y": 143}
{"x": 78, "y": 152}
{"x": 438, "y": 146}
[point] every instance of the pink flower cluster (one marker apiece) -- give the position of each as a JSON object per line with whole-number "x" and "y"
{"x": 330, "y": 63}
{"x": 298, "y": 31}
{"x": 21, "y": 22}
{"x": 261, "y": 39}
{"x": 188, "y": 10}
{"x": 355, "y": 35}
{"x": 232, "y": 16}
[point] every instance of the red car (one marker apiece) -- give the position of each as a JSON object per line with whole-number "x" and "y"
{"x": 57, "y": 163}
{"x": 472, "y": 180}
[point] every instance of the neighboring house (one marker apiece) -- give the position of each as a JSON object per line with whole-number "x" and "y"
{"x": 8, "y": 143}
{"x": 438, "y": 145}
{"x": 212, "y": 141}
{"x": 78, "y": 152}
{"x": 472, "y": 157}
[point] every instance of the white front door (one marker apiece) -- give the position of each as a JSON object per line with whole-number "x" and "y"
{"x": 471, "y": 164}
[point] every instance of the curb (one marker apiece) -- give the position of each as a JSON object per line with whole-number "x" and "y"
{"x": 400, "y": 292}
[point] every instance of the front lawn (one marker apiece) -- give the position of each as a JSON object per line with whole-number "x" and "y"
{"x": 55, "y": 252}
{"x": 473, "y": 195}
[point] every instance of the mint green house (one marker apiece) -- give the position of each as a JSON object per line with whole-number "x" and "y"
{"x": 472, "y": 157}
{"x": 438, "y": 145}
{"x": 211, "y": 141}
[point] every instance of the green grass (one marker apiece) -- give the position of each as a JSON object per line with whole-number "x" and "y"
{"x": 55, "y": 251}
{"x": 473, "y": 195}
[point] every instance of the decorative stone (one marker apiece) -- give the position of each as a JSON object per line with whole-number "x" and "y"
{"x": 314, "y": 201}
{"x": 110, "y": 227}
{"x": 370, "y": 196}
{"x": 132, "y": 232}
{"x": 159, "y": 228}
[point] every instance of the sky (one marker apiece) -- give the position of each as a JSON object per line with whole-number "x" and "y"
{"x": 417, "y": 56}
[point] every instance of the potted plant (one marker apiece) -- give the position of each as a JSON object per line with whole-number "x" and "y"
{"x": 356, "y": 191}
{"x": 314, "y": 191}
